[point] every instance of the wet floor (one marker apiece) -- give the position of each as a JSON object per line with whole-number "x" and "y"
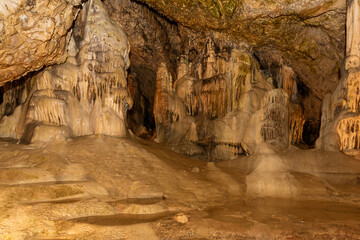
{"x": 93, "y": 187}
{"x": 122, "y": 219}
{"x": 275, "y": 210}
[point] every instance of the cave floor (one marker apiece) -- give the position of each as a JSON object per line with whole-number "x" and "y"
{"x": 129, "y": 188}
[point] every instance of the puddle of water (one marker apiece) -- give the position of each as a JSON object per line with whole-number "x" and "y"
{"x": 139, "y": 201}
{"x": 122, "y": 219}
{"x": 275, "y": 210}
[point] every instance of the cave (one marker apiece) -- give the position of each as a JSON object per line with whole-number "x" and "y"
{"x": 145, "y": 119}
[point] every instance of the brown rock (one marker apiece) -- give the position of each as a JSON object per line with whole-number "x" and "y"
{"x": 33, "y": 34}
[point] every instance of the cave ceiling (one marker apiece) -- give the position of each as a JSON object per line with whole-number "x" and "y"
{"x": 34, "y": 34}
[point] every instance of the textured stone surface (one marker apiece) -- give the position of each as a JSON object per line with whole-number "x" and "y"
{"x": 153, "y": 40}
{"x": 33, "y": 34}
{"x": 106, "y": 188}
{"x": 220, "y": 106}
{"x": 85, "y": 95}
{"x": 308, "y": 36}
{"x": 340, "y": 116}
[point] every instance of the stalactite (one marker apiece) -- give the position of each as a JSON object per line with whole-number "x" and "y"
{"x": 212, "y": 100}
{"x": 164, "y": 92}
{"x": 353, "y": 93}
{"x": 210, "y": 97}
{"x": 349, "y": 132}
{"x": 296, "y": 124}
{"x": 50, "y": 110}
{"x": 287, "y": 81}
{"x": 209, "y": 63}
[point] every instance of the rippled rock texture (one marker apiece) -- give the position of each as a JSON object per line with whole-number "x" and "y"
{"x": 34, "y": 34}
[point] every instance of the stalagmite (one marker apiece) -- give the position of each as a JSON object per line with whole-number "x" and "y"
{"x": 340, "y": 118}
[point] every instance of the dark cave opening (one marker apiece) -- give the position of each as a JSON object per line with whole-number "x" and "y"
{"x": 141, "y": 81}
{"x": 302, "y": 89}
{"x": 311, "y": 129}
{"x": 1, "y": 95}
{"x": 311, "y": 132}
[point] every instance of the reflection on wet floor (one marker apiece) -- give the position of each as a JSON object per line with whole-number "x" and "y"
{"x": 122, "y": 219}
{"x": 275, "y": 210}
{"x": 121, "y": 188}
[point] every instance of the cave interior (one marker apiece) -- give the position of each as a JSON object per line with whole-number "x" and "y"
{"x": 211, "y": 119}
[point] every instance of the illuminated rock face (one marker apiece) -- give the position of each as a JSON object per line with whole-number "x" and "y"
{"x": 296, "y": 124}
{"x": 308, "y": 35}
{"x": 348, "y": 130}
{"x": 85, "y": 95}
{"x": 220, "y": 106}
{"x": 340, "y": 120}
{"x": 34, "y": 34}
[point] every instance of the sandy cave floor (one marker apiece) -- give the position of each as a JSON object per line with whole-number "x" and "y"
{"x": 128, "y": 188}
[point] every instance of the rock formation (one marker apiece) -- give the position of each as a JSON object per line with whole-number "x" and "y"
{"x": 220, "y": 106}
{"x": 307, "y": 35}
{"x": 340, "y": 119}
{"x": 209, "y": 89}
{"x": 34, "y": 34}
{"x": 85, "y": 95}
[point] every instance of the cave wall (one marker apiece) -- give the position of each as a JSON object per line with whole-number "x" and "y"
{"x": 289, "y": 46}
{"x": 308, "y": 36}
{"x": 213, "y": 85}
{"x": 340, "y": 111}
{"x": 219, "y": 105}
{"x": 153, "y": 39}
{"x": 85, "y": 95}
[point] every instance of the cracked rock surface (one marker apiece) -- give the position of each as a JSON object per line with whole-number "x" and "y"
{"x": 33, "y": 34}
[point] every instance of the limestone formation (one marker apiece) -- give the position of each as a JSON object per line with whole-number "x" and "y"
{"x": 308, "y": 35}
{"x": 296, "y": 124}
{"x": 271, "y": 177}
{"x": 85, "y": 95}
{"x": 340, "y": 120}
{"x": 220, "y": 106}
{"x": 34, "y": 34}
{"x": 270, "y": 124}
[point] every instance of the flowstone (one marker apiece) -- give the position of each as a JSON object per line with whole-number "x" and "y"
{"x": 220, "y": 106}
{"x": 85, "y": 95}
